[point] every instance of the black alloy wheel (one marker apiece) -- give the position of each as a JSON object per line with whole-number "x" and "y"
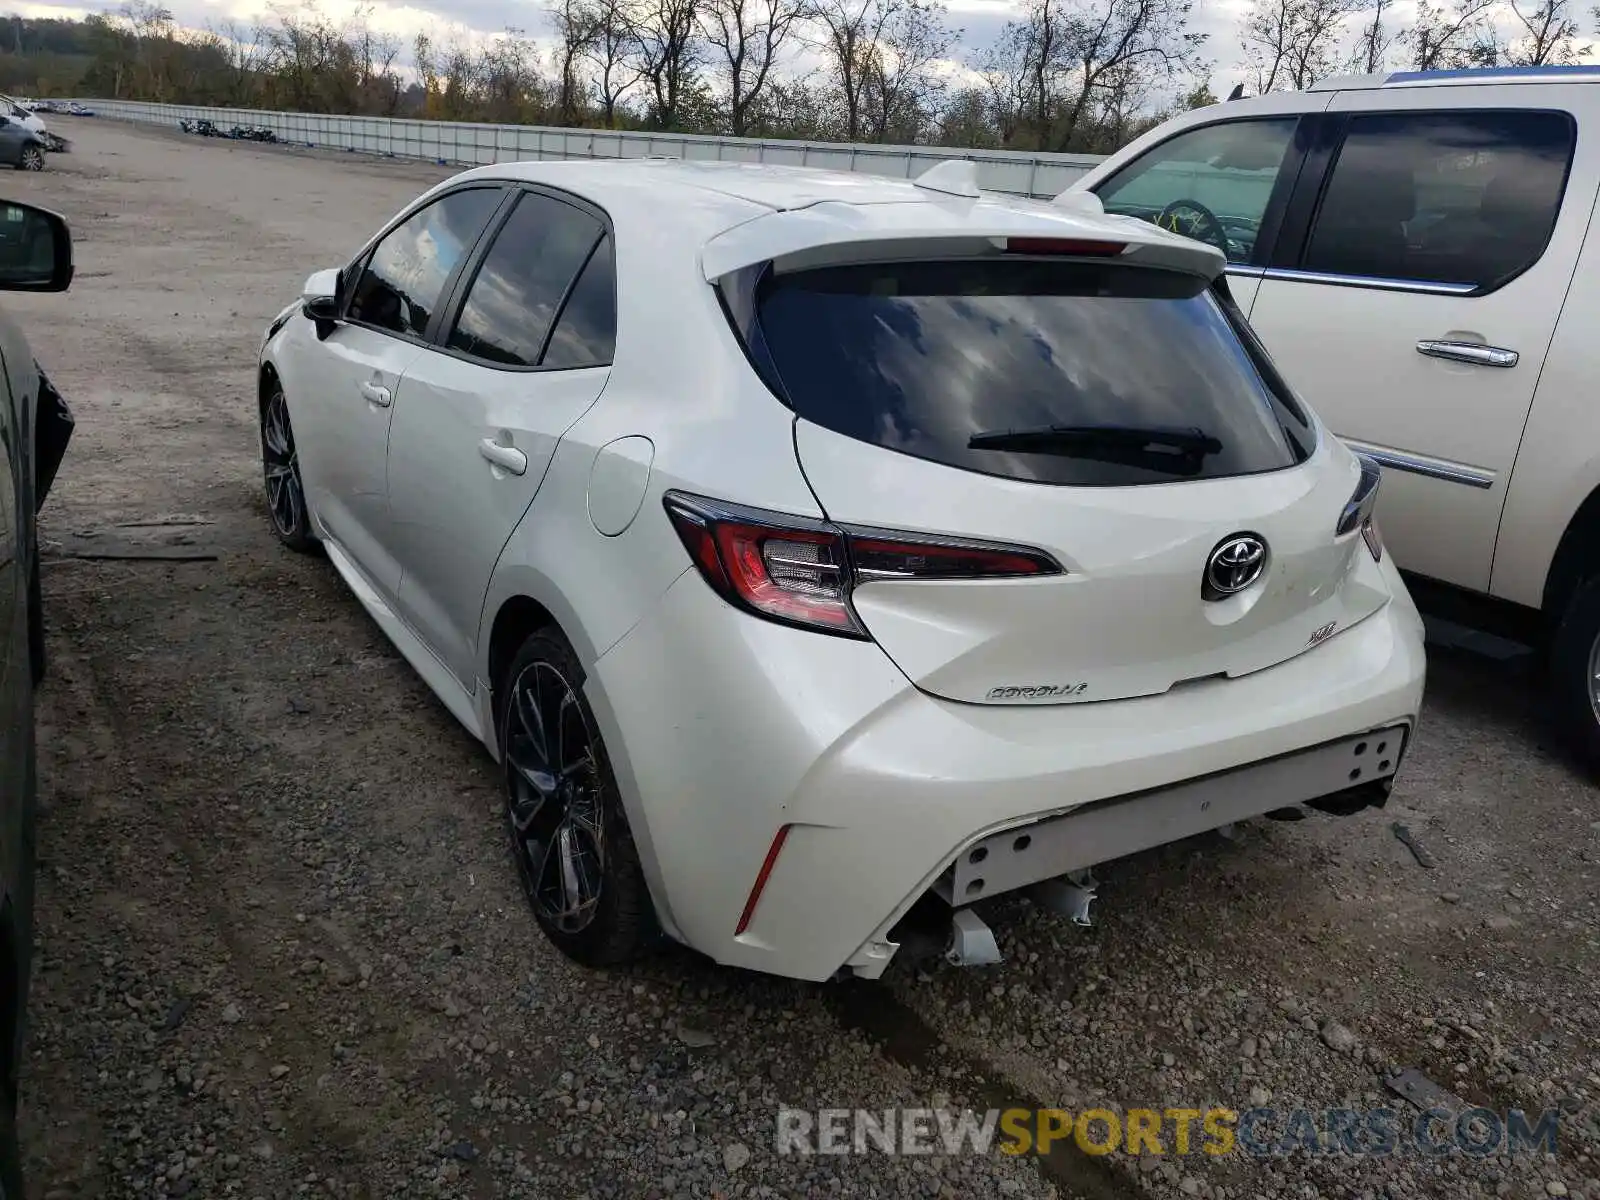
{"x": 286, "y": 497}
{"x": 575, "y": 855}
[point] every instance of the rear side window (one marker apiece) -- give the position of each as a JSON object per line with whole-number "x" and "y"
{"x": 586, "y": 332}
{"x": 1052, "y": 372}
{"x": 526, "y": 275}
{"x": 1464, "y": 198}
{"x": 400, "y": 286}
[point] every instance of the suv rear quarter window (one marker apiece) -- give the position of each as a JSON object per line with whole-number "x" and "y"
{"x": 1465, "y": 198}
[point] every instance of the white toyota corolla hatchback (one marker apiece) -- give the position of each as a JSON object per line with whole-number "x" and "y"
{"x": 822, "y": 554}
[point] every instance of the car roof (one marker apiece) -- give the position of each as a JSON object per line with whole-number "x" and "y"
{"x": 738, "y": 214}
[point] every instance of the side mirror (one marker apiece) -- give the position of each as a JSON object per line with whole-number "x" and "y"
{"x": 35, "y": 250}
{"x": 319, "y": 301}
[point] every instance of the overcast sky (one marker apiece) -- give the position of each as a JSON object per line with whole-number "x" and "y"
{"x": 979, "y": 20}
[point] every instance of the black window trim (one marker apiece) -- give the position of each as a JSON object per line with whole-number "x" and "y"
{"x": 1289, "y": 173}
{"x": 357, "y": 267}
{"x": 461, "y": 285}
{"x": 1288, "y": 264}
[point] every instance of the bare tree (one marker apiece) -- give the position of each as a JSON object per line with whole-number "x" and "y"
{"x": 904, "y": 86}
{"x": 1453, "y": 37}
{"x": 242, "y": 54}
{"x": 513, "y": 88}
{"x": 1018, "y": 77}
{"x": 747, "y": 39}
{"x": 849, "y": 36}
{"x": 1375, "y": 41}
{"x": 1293, "y": 43}
{"x": 1547, "y": 38}
{"x": 574, "y": 22}
{"x": 968, "y": 121}
{"x": 1144, "y": 40}
{"x": 1066, "y": 63}
{"x": 611, "y": 52}
{"x": 670, "y": 48}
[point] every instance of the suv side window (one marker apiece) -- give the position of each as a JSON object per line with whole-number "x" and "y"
{"x": 1467, "y": 199}
{"x": 1214, "y": 183}
{"x": 523, "y": 281}
{"x": 400, "y": 285}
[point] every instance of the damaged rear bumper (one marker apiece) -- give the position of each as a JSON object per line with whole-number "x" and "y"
{"x": 1343, "y": 777}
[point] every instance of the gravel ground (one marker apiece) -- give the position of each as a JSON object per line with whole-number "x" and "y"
{"x": 281, "y": 948}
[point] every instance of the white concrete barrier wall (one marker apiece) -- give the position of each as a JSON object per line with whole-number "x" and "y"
{"x": 462, "y": 144}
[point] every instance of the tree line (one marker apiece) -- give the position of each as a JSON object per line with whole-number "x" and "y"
{"x": 1063, "y": 75}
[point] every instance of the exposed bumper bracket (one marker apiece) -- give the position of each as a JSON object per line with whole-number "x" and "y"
{"x": 972, "y": 942}
{"x": 1069, "y": 896}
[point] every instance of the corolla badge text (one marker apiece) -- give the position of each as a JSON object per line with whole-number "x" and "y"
{"x": 1040, "y": 691}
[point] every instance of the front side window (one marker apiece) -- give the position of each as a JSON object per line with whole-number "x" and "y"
{"x": 1086, "y": 374}
{"x": 526, "y": 275}
{"x": 1462, "y": 198}
{"x": 400, "y": 285}
{"x": 1213, "y": 183}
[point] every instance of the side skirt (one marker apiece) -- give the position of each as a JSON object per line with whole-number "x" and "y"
{"x": 463, "y": 705}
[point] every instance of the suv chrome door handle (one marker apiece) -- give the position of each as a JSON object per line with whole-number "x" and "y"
{"x": 507, "y": 458}
{"x": 1473, "y": 353}
{"x": 377, "y": 394}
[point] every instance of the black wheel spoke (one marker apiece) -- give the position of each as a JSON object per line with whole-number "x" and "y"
{"x": 285, "y": 493}
{"x": 553, "y": 798}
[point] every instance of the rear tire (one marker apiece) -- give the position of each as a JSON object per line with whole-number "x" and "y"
{"x": 568, "y": 836}
{"x": 1575, "y": 671}
{"x": 38, "y": 660}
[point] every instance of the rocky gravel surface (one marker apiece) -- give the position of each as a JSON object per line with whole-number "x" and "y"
{"x": 281, "y": 950}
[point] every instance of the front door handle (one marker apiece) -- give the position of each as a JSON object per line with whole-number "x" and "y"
{"x": 507, "y": 458}
{"x": 377, "y": 394}
{"x": 1473, "y": 353}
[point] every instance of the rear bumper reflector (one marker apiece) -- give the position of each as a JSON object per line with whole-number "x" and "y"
{"x": 761, "y": 880}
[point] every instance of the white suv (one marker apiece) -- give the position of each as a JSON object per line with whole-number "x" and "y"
{"x": 1413, "y": 249}
{"x": 819, "y": 553}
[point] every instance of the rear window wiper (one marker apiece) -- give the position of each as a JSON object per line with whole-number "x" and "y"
{"x": 1076, "y": 439}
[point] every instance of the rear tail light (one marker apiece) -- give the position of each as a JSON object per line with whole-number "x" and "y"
{"x": 1358, "y": 511}
{"x": 802, "y": 572}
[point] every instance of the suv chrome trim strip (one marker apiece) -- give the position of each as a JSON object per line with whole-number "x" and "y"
{"x": 1364, "y": 281}
{"x": 1450, "y": 472}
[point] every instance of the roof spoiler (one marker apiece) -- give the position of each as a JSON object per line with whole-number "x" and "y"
{"x": 814, "y": 237}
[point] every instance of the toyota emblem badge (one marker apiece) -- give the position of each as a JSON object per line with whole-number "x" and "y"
{"x": 1234, "y": 565}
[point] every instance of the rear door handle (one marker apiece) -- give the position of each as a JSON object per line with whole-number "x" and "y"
{"x": 377, "y": 394}
{"x": 507, "y": 458}
{"x": 1474, "y": 353}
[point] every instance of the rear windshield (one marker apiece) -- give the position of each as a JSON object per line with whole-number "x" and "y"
{"x": 1031, "y": 369}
